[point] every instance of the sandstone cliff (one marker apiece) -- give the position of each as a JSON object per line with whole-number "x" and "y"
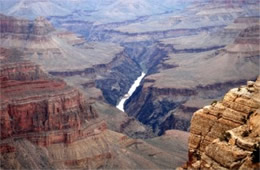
{"x": 226, "y": 134}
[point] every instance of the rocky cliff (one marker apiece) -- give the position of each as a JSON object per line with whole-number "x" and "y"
{"x": 225, "y": 134}
{"x": 32, "y": 103}
{"x": 24, "y": 29}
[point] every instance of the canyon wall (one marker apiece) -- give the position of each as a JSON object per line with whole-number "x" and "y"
{"x": 105, "y": 67}
{"x": 31, "y": 102}
{"x": 225, "y": 134}
{"x": 25, "y": 29}
{"x": 189, "y": 75}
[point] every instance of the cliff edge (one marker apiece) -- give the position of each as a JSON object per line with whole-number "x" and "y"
{"x": 226, "y": 134}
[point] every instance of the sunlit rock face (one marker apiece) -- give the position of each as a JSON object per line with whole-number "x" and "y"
{"x": 226, "y": 133}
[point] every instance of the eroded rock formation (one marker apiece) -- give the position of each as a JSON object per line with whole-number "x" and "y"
{"x": 25, "y": 29}
{"x": 226, "y": 134}
{"x": 31, "y": 103}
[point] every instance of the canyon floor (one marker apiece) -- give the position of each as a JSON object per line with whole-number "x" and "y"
{"x": 67, "y": 64}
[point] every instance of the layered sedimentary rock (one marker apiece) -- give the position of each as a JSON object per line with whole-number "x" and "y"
{"x": 225, "y": 135}
{"x": 98, "y": 68}
{"x": 22, "y": 29}
{"x": 105, "y": 149}
{"x": 46, "y": 124}
{"x": 103, "y": 75}
{"x": 33, "y": 103}
{"x": 190, "y": 75}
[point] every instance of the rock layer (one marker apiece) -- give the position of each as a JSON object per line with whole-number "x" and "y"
{"x": 46, "y": 124}
{"x": 225, "y": 135}
{"x": 191, "y": 75}
{"x": 64, "y": 54}
{"x": 33, "y": 103}
{"x": 25, "y": 29}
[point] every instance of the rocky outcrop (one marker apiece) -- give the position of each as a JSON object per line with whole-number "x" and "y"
{"x": 225, "y": 135}
{"x": 13, "y": 68}
{"x": 33, "y": 104}
{"x": 25, "y": 29}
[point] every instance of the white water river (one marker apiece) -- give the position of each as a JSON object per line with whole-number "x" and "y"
{"x": 137, "y": 82}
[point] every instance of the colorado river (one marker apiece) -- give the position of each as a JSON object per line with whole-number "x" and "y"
{"x": 137, "y": 82}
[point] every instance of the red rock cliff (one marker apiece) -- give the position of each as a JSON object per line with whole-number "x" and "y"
{"x": 33, "y": 103}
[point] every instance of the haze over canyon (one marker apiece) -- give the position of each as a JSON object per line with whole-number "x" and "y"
{"x": 129, "y": 84}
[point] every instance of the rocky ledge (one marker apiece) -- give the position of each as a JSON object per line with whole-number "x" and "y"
{"x": 226, "y": 134}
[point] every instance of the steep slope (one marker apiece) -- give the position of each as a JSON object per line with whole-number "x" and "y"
{"x": 32, "y": 103}
{"x": 225, "y": 135}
